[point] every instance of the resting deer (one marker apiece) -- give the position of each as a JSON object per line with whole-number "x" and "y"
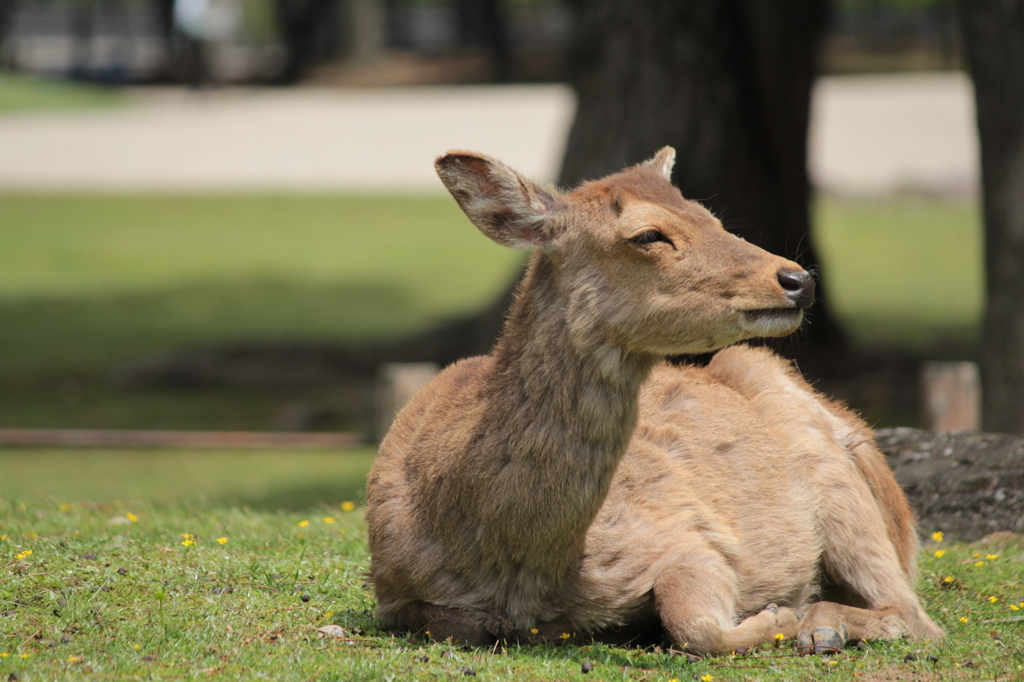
{"x": 573, "y": 482}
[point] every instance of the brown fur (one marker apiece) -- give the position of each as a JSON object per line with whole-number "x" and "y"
{"x": 571, "y": 482}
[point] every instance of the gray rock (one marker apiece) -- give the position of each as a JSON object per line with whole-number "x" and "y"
{"x": 967, "y": 485}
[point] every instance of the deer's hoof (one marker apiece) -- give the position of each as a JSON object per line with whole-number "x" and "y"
{"x": 823, "y": 640}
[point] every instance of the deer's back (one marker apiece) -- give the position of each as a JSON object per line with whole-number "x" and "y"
{"x": 411, "y": 490}
{"x": 731, "y": 461}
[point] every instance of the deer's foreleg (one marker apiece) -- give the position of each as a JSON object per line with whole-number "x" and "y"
{"x": 441, "y": 623}
{"x": 696, "y": 602}
{"x": 860, "y": 557}
{"x": 827, "y": 627}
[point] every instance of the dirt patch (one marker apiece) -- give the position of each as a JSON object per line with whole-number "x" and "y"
{"x": 968, "y": 485}
{"x": 896, "y": 674}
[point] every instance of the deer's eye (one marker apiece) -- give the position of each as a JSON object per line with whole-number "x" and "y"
{"x": 650, "y": 237}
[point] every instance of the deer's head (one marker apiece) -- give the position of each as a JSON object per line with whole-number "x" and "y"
{"x": 639, "y": 266}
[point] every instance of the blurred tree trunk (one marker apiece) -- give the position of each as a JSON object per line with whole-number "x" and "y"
{"x": 482, "y": 23}
{"x": 993, "y": 32}
{"x": 82, "y": 28}
{"x": 7, "y": 59}
{"x": 174, "y": 67}
{"x": 725, "y": 82}
{"x": 310, "y": 33}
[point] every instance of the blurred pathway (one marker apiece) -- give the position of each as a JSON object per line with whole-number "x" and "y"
{"x": 869, "y": 134}
{"x": 877, "y": 134}
{"x": 301, "y": 139}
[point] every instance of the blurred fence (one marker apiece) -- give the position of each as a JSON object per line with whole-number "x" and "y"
{"x": 120, "y": 42}
{"x": 130, "y": 41}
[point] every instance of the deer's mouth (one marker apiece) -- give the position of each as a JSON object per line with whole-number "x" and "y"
{"x": 771, "y": 321}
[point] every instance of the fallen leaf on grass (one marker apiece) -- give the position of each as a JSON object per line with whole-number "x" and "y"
{"x": 333, "y": 631}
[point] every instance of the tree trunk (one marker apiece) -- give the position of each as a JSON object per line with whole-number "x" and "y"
{"x": 82, "y": 29}
{"x": 993, "y": 32}
{"x": 309, "y": 33}
{"x": 8, "y": 61}
{"x": 728, "y": 84}
{"x": 482, "y": 23}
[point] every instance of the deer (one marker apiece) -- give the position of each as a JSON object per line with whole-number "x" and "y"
{"x": 574, "y": 484}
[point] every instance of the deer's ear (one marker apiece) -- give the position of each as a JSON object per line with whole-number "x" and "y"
{"x": 662, "y": 162}
{"x": 504, "y": 205}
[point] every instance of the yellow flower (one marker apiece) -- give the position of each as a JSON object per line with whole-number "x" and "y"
{"x": 74, "y": 659}
{"x": 3, "y": 537}
{"x": 780, "y": 637}
{"x": 303, "y": 523}
{"x": 132, "y": 517}
{"x": 348, "y": 506}
{"x": 222, "y": 541}
{"x": 534, "y": 631}
{"x": 993, "y": 599}
{"x": 1014, "y": 607}
{"x": 329, "y": 519}
{"x": 940, "y": 553}
{"x": 188, "y": 536}
{"x": 706, "y": 678}
{"x": 64, "y": 506}
{"x": 565, "y": 635}
{"x": 188, "y": 542}
{"x": 33, "y": 535}
{"x": 938, "y": 536}
{"x": 990, "y": 557}
{"x": 137, "y": 647}
{"x": 24, "y": 655}
{"x": 979, "y": 564}
{"x": 948, "y": 579}
{"x": 24, "y": 555}
{"x": 331, "y": 613}
{"x": 964, "y": 619}
{"x": 4, "y": 654}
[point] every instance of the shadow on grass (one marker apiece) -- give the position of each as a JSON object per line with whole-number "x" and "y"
{"x": 287, "y": 480}
{"x": 47, "y": 334}
{"x": 646, "y": 656}
{"x": 299, "y": 498}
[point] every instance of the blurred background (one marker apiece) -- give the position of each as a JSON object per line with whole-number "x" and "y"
{"x": 222, "y": 215}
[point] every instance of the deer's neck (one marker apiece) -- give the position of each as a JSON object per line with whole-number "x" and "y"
{"x": 562, "y": 407}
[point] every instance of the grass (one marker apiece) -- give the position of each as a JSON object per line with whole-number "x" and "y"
{"x": 143, "y": 590}
{"x": 19, "y": 94}
{"x": 905, "y": 272}
{"x": 91, "y": 282}
{"x": 260, "y": 479}
{"x": 87, "y": 281}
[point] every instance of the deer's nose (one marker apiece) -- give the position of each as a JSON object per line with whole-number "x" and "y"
{"x": 799, "y": 286}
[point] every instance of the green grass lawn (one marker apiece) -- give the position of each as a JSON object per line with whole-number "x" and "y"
{"x": 90, "y": 282}
{"x": 87, "y": 281}
{"x": 259, "y": 479}
{"x": 20, "y": 94}
{"x": 117, "y": 589}
{"x": 905, "y": 272}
